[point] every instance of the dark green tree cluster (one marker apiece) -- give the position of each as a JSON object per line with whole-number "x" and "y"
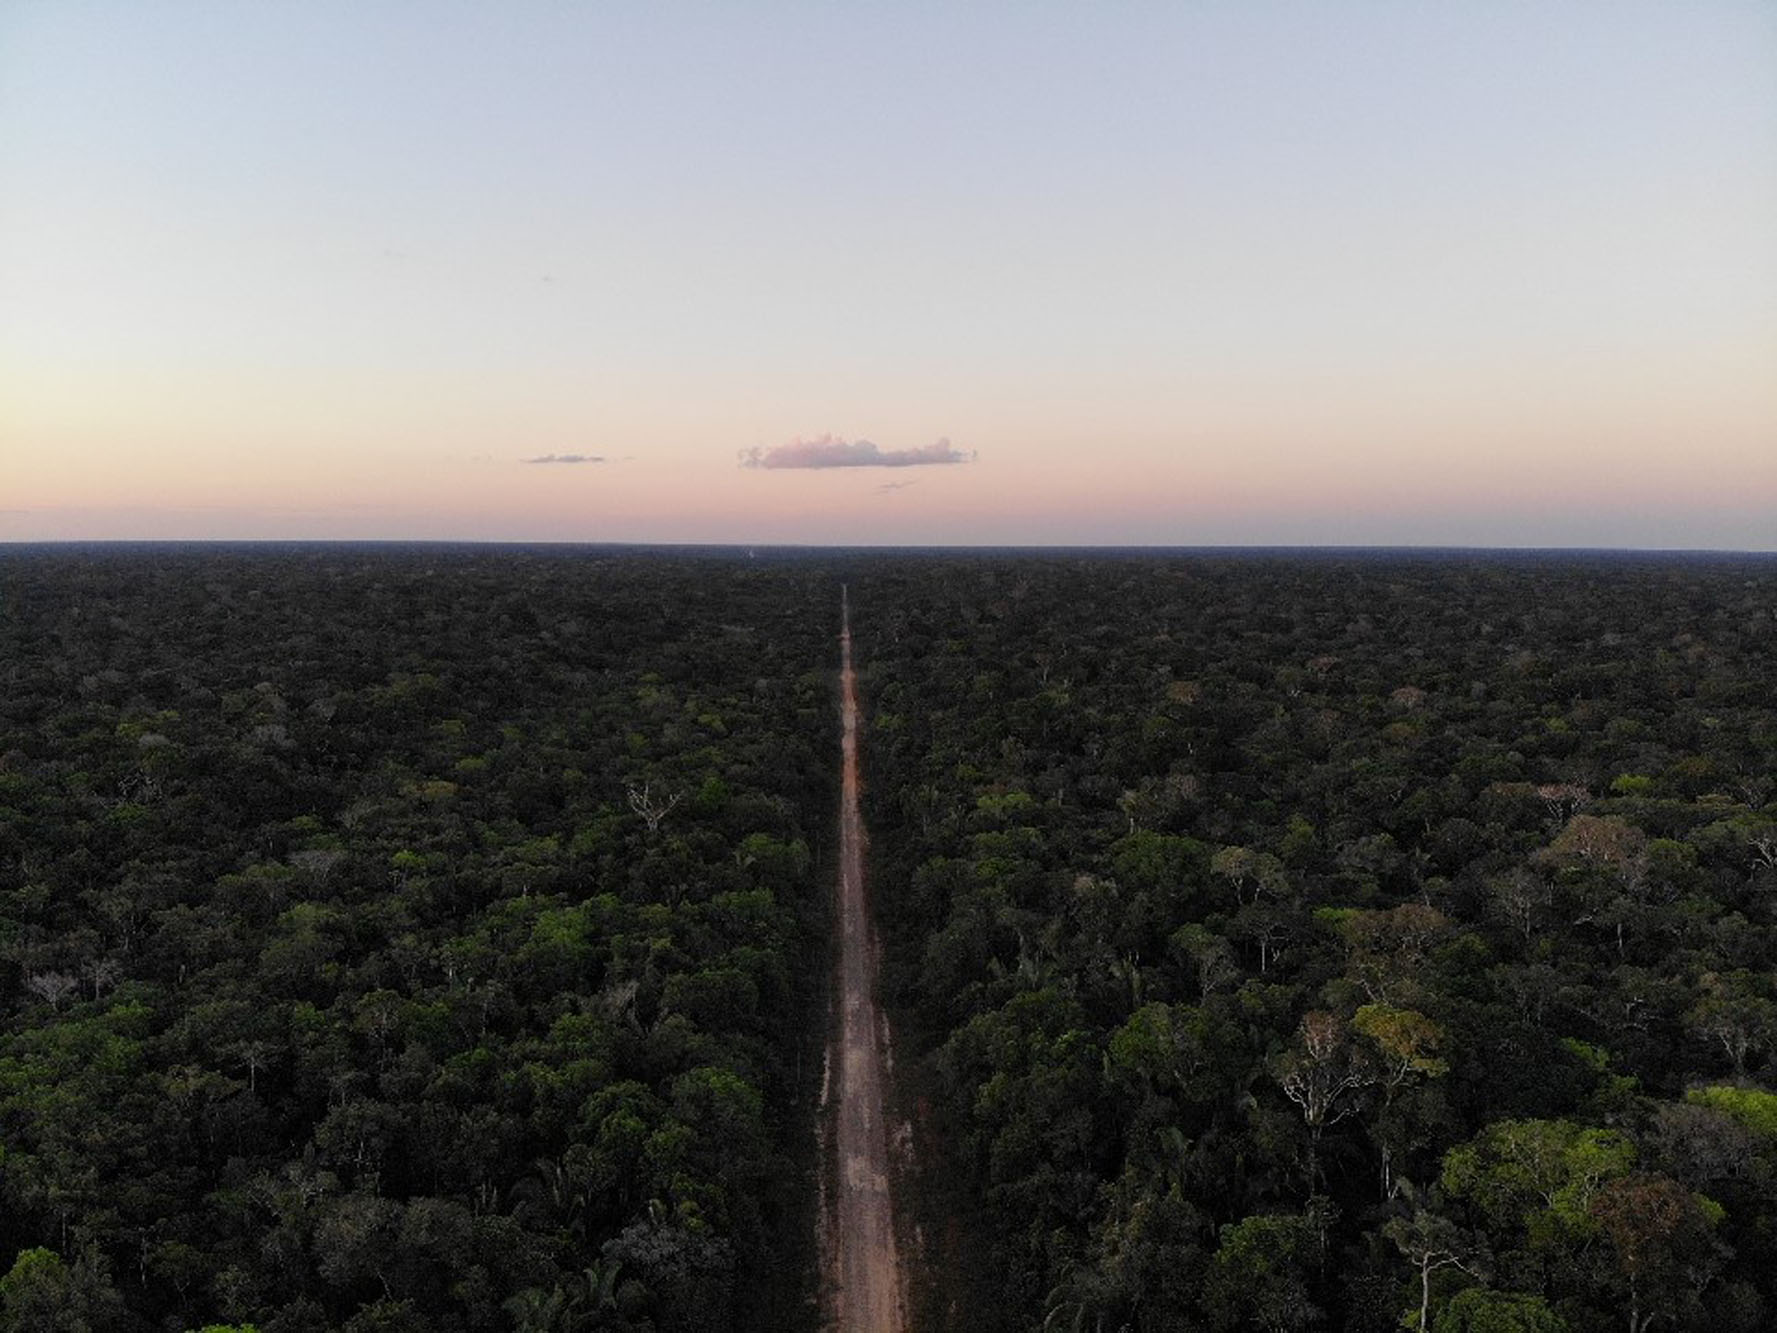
{"x": 409, "y": 939}
{"x": 1335, "y": 942}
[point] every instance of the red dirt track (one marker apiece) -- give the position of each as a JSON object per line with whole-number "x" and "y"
{"x": 863, "y": 1287}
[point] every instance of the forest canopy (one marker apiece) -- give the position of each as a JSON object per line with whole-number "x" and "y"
{"x": 1336, "y": 940}
{"x": 437, "y": 937}
{"x": 409, "y": 938}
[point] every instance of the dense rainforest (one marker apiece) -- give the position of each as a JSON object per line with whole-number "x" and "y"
{"x": 401, "y": 938}
{"x": 410, "y": 939}
{"x": 1333, "y": 941}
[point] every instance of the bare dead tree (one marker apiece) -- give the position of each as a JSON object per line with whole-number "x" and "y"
{"x": 1516, "y": 897}
{"x": 1325, "y": 1075}
{"x": 1762, "y": 842}
{"x": 318, "y": 862}
{"x": 255, "y": 1055}
{"x": 651, "y": 808}
{"x": 101, "y": 974}
{"x": 51, "y": 987}
{"x": 1430, "y": 1243}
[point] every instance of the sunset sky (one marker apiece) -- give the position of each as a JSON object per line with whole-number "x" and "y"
{"x": 1169, "y": 273}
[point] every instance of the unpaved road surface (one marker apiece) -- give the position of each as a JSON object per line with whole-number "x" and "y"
{"x": 863, "y": 1281}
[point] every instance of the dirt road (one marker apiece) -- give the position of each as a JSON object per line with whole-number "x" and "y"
{"x": 863, "y": 1280}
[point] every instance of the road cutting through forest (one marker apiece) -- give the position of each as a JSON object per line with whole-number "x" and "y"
{"x": 863, "y": 1281}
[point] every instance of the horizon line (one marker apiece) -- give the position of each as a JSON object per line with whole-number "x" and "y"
{"x": 878, "y": 547}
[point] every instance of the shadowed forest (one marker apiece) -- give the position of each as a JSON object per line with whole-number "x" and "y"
{"x": 439, "y": 938}
{"x": 411, "y": 939}
{"x": 1337, "y": 941}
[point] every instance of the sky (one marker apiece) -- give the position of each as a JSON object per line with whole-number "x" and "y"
{"x": 1192, "y": 273}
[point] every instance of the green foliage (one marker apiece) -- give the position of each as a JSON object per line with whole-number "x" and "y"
{"x": 41, "y": 1294}
{"x": 1406, "y": 1041}
{"x": 1542, "y": 1174}
{"x": 1752, "y": 1107}
{"x": 1260, "y": 1274}
{"x": 37, "y": 1293}
{"x": 1479, "y": 1310}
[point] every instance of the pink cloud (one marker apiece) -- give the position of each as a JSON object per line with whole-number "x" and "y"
{"x": 831, "y": 451}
